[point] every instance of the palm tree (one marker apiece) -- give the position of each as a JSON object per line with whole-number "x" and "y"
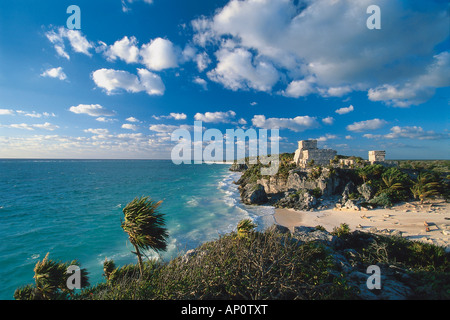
{"x": 390, "y": 183}
{"x": 108, "y": 268}
{"x": 50, "y": 281}
{"x": 145, "y": 227}
{"x": 244, "y": 227}
{"x": 424, "y": 187}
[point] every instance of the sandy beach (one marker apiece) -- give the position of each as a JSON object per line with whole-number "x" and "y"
{"x": 429, "y": 222}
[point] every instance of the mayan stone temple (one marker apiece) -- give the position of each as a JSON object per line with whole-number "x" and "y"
{"x": 307, "y": 151}
{"x": 376, "y": 156}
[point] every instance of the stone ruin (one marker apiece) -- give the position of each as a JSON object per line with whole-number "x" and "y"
{"x": 307, "y": 151}
{"x": 377, "y": 156}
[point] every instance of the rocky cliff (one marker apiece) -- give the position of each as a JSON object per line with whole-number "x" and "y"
{"x": 302, "y": 189}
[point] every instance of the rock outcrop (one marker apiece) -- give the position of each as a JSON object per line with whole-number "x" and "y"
{"x": 300, "y": 189}
{"x": 253, "y": 194}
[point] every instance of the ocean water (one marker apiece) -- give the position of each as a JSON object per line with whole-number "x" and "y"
{"x": 73, "y": 210}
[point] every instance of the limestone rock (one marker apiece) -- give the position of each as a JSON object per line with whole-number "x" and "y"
{"x": 254, "y": 194}
{"x": 307, "y": 234}
{"x": 366, "y": 191}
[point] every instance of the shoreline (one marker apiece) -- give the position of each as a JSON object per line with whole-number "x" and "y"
{"x": 410, "y": 218}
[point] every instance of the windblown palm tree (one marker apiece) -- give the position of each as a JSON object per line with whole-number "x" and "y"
{"x": 108, "y": 268}
{"x": 50, "y": 281}
{"x": 145, "y": 227}
{"x": 424, "y": 187}
{"x": 244, "y": 227}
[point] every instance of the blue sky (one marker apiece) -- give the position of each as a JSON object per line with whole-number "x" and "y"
{"x": 137, "y": 70}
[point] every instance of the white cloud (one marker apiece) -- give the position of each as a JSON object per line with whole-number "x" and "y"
{"x": 297, "y": 124}
{"x": 151, "y": 82}
{"x": 125, "y": 49}
{"x": 78, "y": 42}
{"x": 366, "y": 125}
{"x": 201, "y": 82}
{"x": 103, "y": 119}
{"x": 299, "y": 88}
{"x": 334, "y": 91}
{"x": 130, "y": 126}
{"x": 31, "y": 114}
{"x": 178, "y": 116}
{"x": 215, "y": 117}
{"x": 131, "y": 119}
{"x": 93, "y": 110}
{"x": 97, "y": 131}
{"x": 160, "y": 54}
{"x": 242, "y": 121}
{"x": 345, "y": 110}
{"x": 172, "y": 115}
{"x": 113, "y": 80}
{"x": 415, "y": 133}
{"x": 202, "y": 60}
{"x": 6, "y": 112}
{"x": 55, "y": 73}
{"x": 328, "y": 120}
{"x": 418, "y": 89}
{"x": 24, "y": 126}
{"x": 327, "y": 137}
{"x": 238, "y": 70}
{"x": 165, "y": 128}
{"x": 327, "y": 41}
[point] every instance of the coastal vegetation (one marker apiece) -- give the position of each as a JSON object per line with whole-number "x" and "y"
{"x": 309, "y": 263}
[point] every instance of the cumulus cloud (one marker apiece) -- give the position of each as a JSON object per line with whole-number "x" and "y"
{"x": 57, "y": 73}
{"x": 131, "y": 119}
{"x": 130, "y": 126}
{"x": 125, "y": 49}
{"x": 237, "y": 69}
{"x": 327, "y": 42}
{"x": 327, "y": 137}
{"x": 93, "y": 110}
{"x": 113, "y": 80}
{"x": 366, "y": 125}
{"x": 418, "y": 89}
{"x": 345, "y": 110}
{"x": 215, "y": 117}
{"x": 160, "y": 54}
{"x": 297, "y": 124}
{"x": 299, "y": 88}
{"x": 415, "y": 133}
{"x": 328, "y": 120}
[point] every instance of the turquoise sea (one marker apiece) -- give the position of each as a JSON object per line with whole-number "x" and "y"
{"x": 73, "y": 210}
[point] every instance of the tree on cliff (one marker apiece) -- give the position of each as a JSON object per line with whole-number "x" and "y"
{"x": 145, "y": 227}
{"x": 51, "y": 281}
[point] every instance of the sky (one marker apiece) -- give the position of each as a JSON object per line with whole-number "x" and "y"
{"x": 137, "y": 70}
